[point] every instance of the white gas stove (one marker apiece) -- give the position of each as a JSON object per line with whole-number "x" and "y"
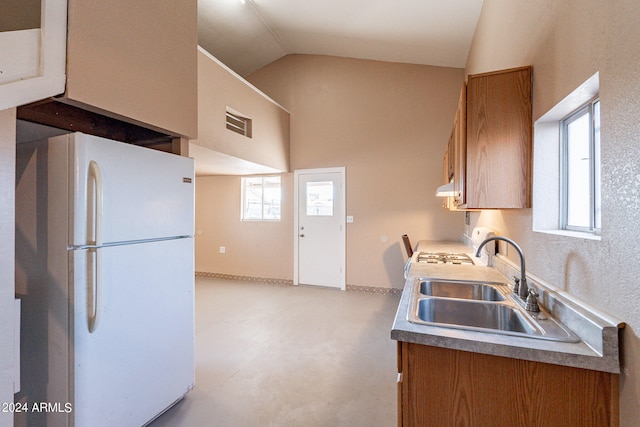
{"x": 444, "y": 258}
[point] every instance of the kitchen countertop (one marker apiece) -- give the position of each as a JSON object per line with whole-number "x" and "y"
{"x": 597, "y": 350}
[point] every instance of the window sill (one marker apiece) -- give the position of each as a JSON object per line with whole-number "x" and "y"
{"x": 575, "y": 234}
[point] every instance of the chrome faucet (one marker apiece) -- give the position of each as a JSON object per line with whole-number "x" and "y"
{"x": 523, "y": 289}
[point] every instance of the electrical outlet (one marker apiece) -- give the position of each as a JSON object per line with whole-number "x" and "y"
{"x": 223, "y": 249}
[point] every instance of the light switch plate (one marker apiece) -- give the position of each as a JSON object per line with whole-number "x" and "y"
{"x": 349, "y": 219}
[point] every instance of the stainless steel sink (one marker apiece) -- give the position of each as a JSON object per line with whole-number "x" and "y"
{"x": 464, "y": 290}
{"x": 473, "y": 314}
{"x": 481, "y": 307}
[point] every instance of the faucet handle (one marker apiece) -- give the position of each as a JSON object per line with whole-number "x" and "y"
{"x": 532, "y": 301}
{"x": 516, "y": 284}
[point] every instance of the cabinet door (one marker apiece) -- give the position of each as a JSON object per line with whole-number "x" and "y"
{"x": 400, "y": 384}
{"x": 452, "y": 387}
{"x": 135, "y": 60}
{"x": 460, "y": 149}
{"x": 499, "y": 134}
{"x": 447, "y": 171}
{"x": 449, "y": 156}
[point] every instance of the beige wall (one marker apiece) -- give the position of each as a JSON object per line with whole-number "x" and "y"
{"x": 388, "y": 124}
{"x": 7, "y": 243}
{"x": 256, "y": 249}
{"x": 219, "y": 88}
{"x": 567, "y": 41}
{"x": 128, "y": 61}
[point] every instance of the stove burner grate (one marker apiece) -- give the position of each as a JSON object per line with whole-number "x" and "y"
{"x": 444, "y": 258}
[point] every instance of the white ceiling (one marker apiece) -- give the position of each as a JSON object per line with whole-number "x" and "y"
{"x": 247, "y": 35}
{"x": 251, "y": 34}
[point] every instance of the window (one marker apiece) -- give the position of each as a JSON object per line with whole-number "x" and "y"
{"x": 261, "y": 198}
{"x": 320, "y": 198}
{"x": 566, "y": 165}
{"x": 580, "y": 169}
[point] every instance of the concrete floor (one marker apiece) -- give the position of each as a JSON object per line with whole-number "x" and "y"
{"x": 270, "y": 355}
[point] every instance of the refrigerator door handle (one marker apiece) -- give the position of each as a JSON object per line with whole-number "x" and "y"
{"x": 94, "y": 310}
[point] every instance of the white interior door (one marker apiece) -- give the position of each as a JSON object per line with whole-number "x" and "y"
{"x": 320, "y": 229}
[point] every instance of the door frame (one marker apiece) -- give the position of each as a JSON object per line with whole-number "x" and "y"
{"x": 343, "y": 235}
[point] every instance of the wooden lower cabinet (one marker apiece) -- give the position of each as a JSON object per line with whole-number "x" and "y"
{"x": 445, "y": 387}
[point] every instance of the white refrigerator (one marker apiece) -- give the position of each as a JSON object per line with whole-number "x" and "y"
{"x": 105, "y": 272}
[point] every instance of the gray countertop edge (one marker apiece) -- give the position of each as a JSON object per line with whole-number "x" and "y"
{"x": 578, "y": 355}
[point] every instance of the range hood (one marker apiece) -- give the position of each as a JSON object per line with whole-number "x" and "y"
{"x": 445, "y": 190}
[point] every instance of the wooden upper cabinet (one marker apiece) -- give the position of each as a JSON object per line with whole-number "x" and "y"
{"x": 499, "y": 140}
{"x": 460, "y": 149}
{"x": 448, "y": 170}
{"x": 135, "y": 60}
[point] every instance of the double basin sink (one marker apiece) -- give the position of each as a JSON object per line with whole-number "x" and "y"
{"x": 480, "y": 306}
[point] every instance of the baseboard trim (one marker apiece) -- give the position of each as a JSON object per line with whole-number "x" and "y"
{"x": 253, "y": 279}
{"x": 285, "y": 282}
{"x": 374, "y": 290}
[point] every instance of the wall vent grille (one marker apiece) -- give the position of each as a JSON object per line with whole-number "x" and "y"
{"x": 238, "y": 123}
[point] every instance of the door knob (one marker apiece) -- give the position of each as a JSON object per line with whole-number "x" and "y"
{"x": 301, "y": 235}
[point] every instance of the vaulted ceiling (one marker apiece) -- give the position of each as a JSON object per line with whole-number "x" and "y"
{"x": 249, "y": 34}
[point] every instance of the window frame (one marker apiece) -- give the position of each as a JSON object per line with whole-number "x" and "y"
{"x": 594, "y": 226}
{"x": 243, "y": 199}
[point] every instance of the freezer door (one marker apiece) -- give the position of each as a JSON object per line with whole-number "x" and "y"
{"x": 139, "y": 359}
{"x": 146, "y": 194}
